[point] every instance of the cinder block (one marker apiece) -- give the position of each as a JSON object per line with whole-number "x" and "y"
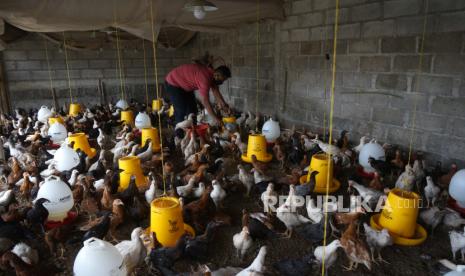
{"x": 28, "y": 65}
{"x": 351, "y": 79}
{"x": 18, "y": 75}
{"x": 430, "y": 122}
{"x": 310, "y": 48}
{"x": 401, "y": 136}
{"x": 356, "y": 111}
{"x": 398, "y": 45}
{"x": 300, "y": 34}
{"x": 35, "y": 54}
{"x": 406, "y": 101}
{"x": 78, "y": 64}
{"x": 91, "y": 74}
{"x": 102, "y": 64}
{"x": 448, "y": 106}
{"x": 284, "y": 36}
{"x": 391, "y": 82}
{"x": 457, "y": 127}
{"x": 378, "y": 28}
{"x": 366, "y": 12}
{"x": 391, "y": 116}
{"x": 14, "y": 55}
{"x": 343, "y": 16}
{"x": 41, "y": 75}
{"x": 63, "y": 74}
{"x": 445, "y": 5}
{"x": 317, "y": 63}
{"x": 375, "y": 64}
{"x": 347, "y": 63}
{"x": 298, "y": 89}
{"x": 433, "y": 85}
{"x": 410, "y": 63}
{"x": 449, "y": 64}
{"x": 319, "y": 33}
{"x": 341, "y": 47}
{"x": 311, "y": 19}
{"x": 414, "y": 25}
{"x": 9, "y": 65}
{"x": 322, "y": 5}
{"x": 455, "y": 147}
{"x": 451, "y": 22}
{"x": 363, "y": 46}
{"x": 443, "y": 43}
{"x": 398, "y": 8}
{"x": 301, "y": 6}
{"x": 290, "y": 22}
{"x": 299, "y": 63}
{"x": 349, "y": 31}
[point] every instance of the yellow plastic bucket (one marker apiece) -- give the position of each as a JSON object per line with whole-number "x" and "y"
{"x": 74, "y": 109}
{"x": 257, "y": 146}
{"x": 151, "y": 133}
{"x": 57, "y": 119}
{"x": 157, "y": 104}
{"x": 171, "y": 111}
{"x": 81, "y": 142}
{"x": 127, "y": 117}
{"x": 131, "y": 166}
{"x": 229, "y": 120}
{"x": 400, "y": 213}
{"x": 166, "y": 221}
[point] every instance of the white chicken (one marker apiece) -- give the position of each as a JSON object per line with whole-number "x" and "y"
{"x": 363, "y": 141}
{"x": 406, "y": 179}
{"x": 259, "y": 177}
{"x": 26, "y": 253}
{"x": 258, "y": 265}
{"x": 314, "y": 213}
{"x": 238, "y": 142}
{"x": 327, "y": 148}
{"x": 269, "y": 198}
{"x": 191, "y": 147}
{"x": 6, "y": 197}
{"x": 289, "y": 217}
{"x": 453, "y": 219}
{"x": 133, "y": 251}
{"x": 433, "y": 217}
{"x": 186, "y": 190}
{"x": 457, "y": 242}
{"x": 73, "y": 178}
{"x": 242, "y": 242}
{"x": 245, "y": 178}
{"x": 308, "y": 143}
{"x": 197, "y": 192}
{"x": 377, "y": 240}
{"x": 241, "y": 119}
{"x": 329, "y": 252}
{"x": 251, "y": 121}
{"x": 189, "y": 122}
{"x": 51, "y": 170}
{"x": 217, "y": 194}
{"x": 431, "y": 191}
{"x": 147, "y": 154}
{"x": 152, "y": 192}
{"x": 369, "y": 195}
{"x": 418, "y": 172}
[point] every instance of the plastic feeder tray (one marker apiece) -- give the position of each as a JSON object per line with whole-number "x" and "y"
{"x": 130, "y": 166}
{"x": 151, "y": 133}
{"x": 74, "y": 109}
{"x": 256, "y": 146}
{"x": 127, "y": 117}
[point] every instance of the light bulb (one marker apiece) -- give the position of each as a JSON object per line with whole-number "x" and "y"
{"x": 199, "y": 12}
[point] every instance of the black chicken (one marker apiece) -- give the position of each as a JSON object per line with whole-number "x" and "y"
{"x": 38, "y": 214}
{"x": 166, "y": 256}
{"x": 296, "y": 152}
{"x": 382, "y": 167}
{"x": 307, "y": 188}
{"x": 197, "y": 247}
{"x": 298, "y": 266}
{"x": 130, "y": 192}
{"x": 100, "y": 230}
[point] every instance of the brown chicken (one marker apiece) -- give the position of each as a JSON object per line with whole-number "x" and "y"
{"x": 444, "y": 180}
{"x": 397, "y": 161}
{"x": 260, "y": 167}
{"x": 291, "y": 179}
{"x": 355, "y": 248}
{"x": 25, "y": 188}
{"x": 117, "y": 217}
{"x": 279, "y": 154}
{"x": 199, "y": 212}
{"x": 89, "y": 204}
{"x": 56, "y": 237}
{"x": 375, "y": 183}
{"x": 21, "y": 268}
{"x": 16, "y": 172}
{"x": 78, "y": 193}
{"x": 14, "y": 213}
{"x": 107, "y": 198}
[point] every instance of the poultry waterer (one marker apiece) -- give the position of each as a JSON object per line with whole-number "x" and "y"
{"x": 271, "y": 130}
{"x": 81, "y": 142}
{"x": 122, "y": 104}
{"x": 256, "y": 146}
{"x": 130, "y": 166}
{"x": 167, "y": 222}
{"x": 320, "y": 164}
{"x": 74, "y": 109}
{"x": 371, "y": 149}
{"x": 65, "y": 158}
{"x": 143, "y": 120}
{"x": 57, "y": 132}
{"x": 56, "y": 119}
{"x": 399, "y": 217}
{"x": 457, "y": 192}
{"x": 151, "y": 133}
{"x": 43, "y": 114}
{"x": 99, "y": 257}
{"x": 127, "y": 117}
{"x": 157, "y": 104}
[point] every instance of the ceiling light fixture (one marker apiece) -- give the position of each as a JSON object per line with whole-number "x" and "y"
{"x": 200, "y": 8}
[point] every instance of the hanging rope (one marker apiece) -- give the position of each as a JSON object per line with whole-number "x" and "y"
{"x": 48, "y": 67}
{"x": 331, "y": 113}
{"x": 325, "y": 71}
{"x": 415, "y": 86}
{"x": 145, "y": 75}
{"x": 155, "y": 70}
{"x": 67, "y": 68}
{"x": 258, "y": 58}
{"x": 120, "y": 64}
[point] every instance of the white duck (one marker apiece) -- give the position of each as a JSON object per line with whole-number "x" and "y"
{"x": 258, "y": 265}
{"x": 133, "y": 251}
{"x": 242, "y": 242}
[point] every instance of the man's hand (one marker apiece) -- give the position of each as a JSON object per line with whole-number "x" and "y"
{"x": 225, "y": 107}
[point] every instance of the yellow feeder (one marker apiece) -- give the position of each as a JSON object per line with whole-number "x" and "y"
{"x": 57, "y": 119}
{"x": 74, "y": 109}
{"x": 81, "y": 142}
{"x": 319, "y": 163}
{"x": 399, "y": 217}
{"x": 257, "y": 146}
{"x": 127, "y": 117}
{"x": 151, "y": 133}
{"x": 229, "y": 120}
{"x": 130, "y": 166}
{"x": 167, "y": 222}
{"x": 171, "y": 111}
{"x": 157, "y": 104}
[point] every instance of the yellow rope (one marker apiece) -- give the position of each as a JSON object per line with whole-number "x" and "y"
{"x": 415, "y": 86}
{"x": 258, "y": 58}
{"x": 120, "y": 64}
{"x": 336, "y": 19}
{"x": 48, "y": 67}
{"x": 158, "y": 97}
{"x": 67, "y": 68}
{"x": 145, "y": 76}
{"x": 325, "y": 81}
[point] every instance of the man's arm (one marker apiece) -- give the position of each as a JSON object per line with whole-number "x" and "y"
{"x": 218, "y": 96}
{"x": 206, "y": 103}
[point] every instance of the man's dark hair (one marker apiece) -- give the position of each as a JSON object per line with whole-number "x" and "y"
{"x": 224, "y": 70}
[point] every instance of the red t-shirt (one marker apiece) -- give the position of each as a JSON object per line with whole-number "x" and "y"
{"x": 191, "y": 77}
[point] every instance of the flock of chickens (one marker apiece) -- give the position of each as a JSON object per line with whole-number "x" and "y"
{"x": 209, "y": 172}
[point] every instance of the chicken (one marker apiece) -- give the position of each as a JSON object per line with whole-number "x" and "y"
{"x": 242, "y": 242}
{"x": 201, "y": 211}
{"x": 406, "y": 179}
{"x": 260, "y": 167}
{"x": 258, "y": 224}
{"x": 6, "y": 197}
{"x": 26, "y": 186}
{"x": 457, "y": 242}
{"x": 97, "y": 229}
{"x": 349, "y": 217}
{"x": 117, "y": 216}
{"x": 189, "y": 122}
{"x": 164, "y": 257}
{"x": 444, "y": 180}
{"x": 290, "y": 219}
{"x": 186, "y": 190}
{"x": 279, "y": 153}
{"x": 38, "y": 214}
{"x": 453, "y": 219}
{"x": 327, "y": 148}
{"x": 21, "y": 268}
{"x": 314, "y": 213}
{"x": 433, "y": 217}
{"x": 375, "y": 183}
{"x": 218, "y": 194}
{"x": 197, "y": 248}
{"x": 197, "y": 192}
{"x": 328, "y": 252}
{"x": 418, "y": 172}
{"x": 152, "y": 192}
{"x": 370, "y": 196}
{"x": 251, "y": 121}
{"x": 382, "y": 167}
{"x": 107, "y": 198}
{"x": 377, "y": 240}
{"x": 355, "y": 248}
{"x": 398, "y": 162}
{"x": 242, "y": 147}
{"x": 147, "y": 154}
{"x": 133, "y": 251}
{"x": 246, "y": 179}
{"x": 307, "y": 188}
{"x": 258, "y": 265}
{"x": 259, "y": 177}
{"x": 57, "y": 237}
{"x": 363, "y": 141}
{"x": 16, "y": 172}
{"x": 26, "y": 253}
{"x": 191, "y": 146}
{"x": 269, "y": 198}
{"x": 431, "y": 191}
